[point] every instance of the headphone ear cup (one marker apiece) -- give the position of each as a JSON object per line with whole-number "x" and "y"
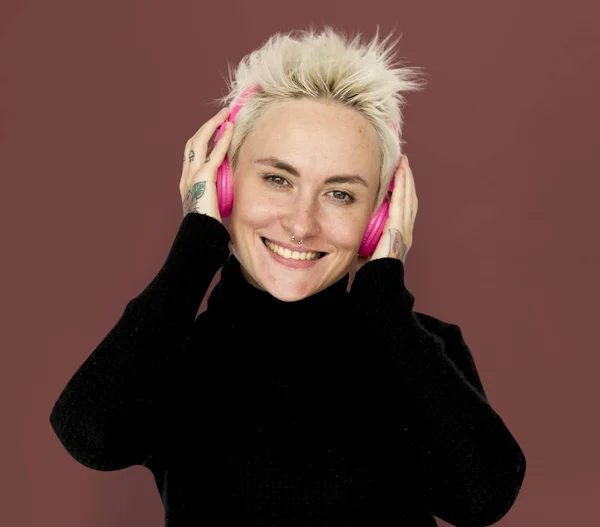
{"x": 224, "y": 176}
{"x": 224, "y": 182}
{"x": 374, "y": 230}
{"x": 224, "y": 189}
{"x": 375, "y": 227}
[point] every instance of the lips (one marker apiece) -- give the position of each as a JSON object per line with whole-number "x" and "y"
{"x": 293, "y": 248}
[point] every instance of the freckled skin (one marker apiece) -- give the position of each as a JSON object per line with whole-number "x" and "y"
{"x": 320, "y": 139}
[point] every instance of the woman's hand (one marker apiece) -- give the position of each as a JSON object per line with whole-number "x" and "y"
{"x": 198, "y": 185}
{"x": 396, "y": 238}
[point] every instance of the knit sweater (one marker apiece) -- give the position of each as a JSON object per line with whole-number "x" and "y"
{"x": 345, "y": 408}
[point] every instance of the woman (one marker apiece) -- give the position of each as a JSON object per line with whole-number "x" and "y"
{"x": 291, "y": 399}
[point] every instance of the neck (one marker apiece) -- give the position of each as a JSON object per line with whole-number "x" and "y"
{"x": 237, "y": 292}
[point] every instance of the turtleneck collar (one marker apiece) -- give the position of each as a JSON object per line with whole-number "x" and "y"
{"x": 235, "y": 294}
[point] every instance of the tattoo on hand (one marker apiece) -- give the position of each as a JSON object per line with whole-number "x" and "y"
{"x": 193, "y": 195}
{"x": 192, "y": 155}
{"x": 398, "y": 248}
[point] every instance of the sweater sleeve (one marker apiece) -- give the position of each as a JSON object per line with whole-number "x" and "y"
{"x": 468, "y": 466}
{"x": 109, "y": 415}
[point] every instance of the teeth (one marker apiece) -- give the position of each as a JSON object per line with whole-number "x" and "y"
{"x": 286, "y": 253}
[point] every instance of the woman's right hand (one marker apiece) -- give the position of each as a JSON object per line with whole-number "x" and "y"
{"x": 198, "y": 185}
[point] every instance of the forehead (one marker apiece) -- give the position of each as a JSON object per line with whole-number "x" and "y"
{"x": 316, "y": 135}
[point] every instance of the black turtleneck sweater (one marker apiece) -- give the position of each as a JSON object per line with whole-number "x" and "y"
{"x": 346, "y": 408}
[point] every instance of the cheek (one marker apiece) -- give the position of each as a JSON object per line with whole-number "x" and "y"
{"x": 347, "y": 233}
{"x": 251, "y": 209}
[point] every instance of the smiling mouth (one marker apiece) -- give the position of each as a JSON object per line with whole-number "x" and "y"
{"x": 292, "y": 255}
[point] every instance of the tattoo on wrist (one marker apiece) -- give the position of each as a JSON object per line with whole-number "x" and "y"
{"x": 193, "y": 196}
{"x": 398, "y": 248}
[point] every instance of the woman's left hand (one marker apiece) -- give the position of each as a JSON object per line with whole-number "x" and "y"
{"x": 396, "y": 238}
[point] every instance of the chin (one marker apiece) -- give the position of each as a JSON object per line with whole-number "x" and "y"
{"x": 288, "y": 289}
{"x": 284, "y": 288}
{"x": 288, "y": 284}
{"x": 287, "y": 294}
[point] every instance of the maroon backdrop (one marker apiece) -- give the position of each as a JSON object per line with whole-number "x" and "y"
{"x": 97, "y": 101}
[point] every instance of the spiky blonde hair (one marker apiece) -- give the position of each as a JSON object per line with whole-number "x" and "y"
{"x": 326, "y": 65}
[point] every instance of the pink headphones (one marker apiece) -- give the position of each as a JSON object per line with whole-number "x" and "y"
{"x": 225, "y": 191}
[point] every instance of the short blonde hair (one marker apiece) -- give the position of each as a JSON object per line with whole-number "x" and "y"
{"x": 325, "y": 65}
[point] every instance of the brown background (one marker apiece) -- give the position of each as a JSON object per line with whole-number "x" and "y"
{"x": 97, "y": 101}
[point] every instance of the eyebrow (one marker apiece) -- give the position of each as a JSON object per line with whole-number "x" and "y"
{"x": 282, "y": 165}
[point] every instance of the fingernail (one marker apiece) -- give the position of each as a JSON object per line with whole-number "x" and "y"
{"x": 406, "y": 158}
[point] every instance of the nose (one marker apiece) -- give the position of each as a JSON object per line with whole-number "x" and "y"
{"x": 301, "y": 219}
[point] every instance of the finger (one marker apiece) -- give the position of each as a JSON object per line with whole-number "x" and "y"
{"x": 197, "y": 145}
{"x": 411, "y": 194}
{"x": 414, "y": 193}
{"x": 219, "y": 151}
{"x": 214, "y": 121}
{"x": 205, "y": 132}
{"x": 186, "y": 149}
{"x": 207, "y": 170}
{"x": 185, "y": 157}
{"x": 408, "y": 203}
{"x": 206, "y": 124}
{"x": 397, "y": 198}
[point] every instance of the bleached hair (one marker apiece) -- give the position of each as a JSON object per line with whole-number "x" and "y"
{"x": 326, "y": 65}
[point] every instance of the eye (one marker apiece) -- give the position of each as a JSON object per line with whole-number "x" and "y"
{"x": 342, "y": 197}
{"x": 278, "y": 181}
